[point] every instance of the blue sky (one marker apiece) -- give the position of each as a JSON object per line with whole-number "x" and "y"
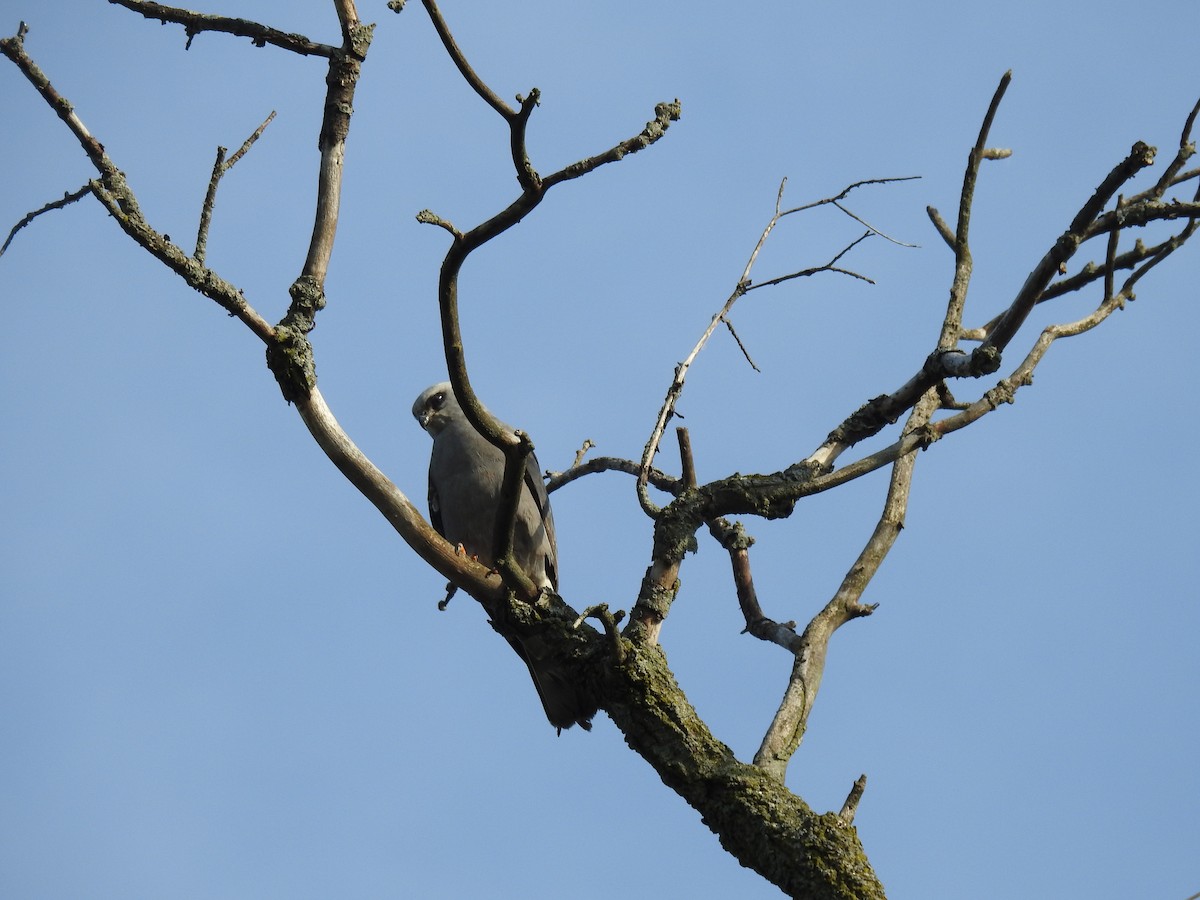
{"x": 222, "y": 675}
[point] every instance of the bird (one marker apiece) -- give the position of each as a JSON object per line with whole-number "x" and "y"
{"x": 465, "y": 475}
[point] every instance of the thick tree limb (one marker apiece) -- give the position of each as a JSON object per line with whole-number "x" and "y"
{"x": 764, "y": 825}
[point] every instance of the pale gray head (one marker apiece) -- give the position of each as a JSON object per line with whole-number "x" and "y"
{"x": 436, "y": 407}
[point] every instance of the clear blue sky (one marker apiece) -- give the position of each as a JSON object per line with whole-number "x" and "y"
{"x": 222, "y": 675}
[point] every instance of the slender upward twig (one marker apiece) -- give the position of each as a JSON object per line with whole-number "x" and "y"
{"x": 952, "y": 322}
{"x": 220, "y": 167}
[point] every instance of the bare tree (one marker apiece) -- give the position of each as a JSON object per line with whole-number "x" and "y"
{"x": 620, "y": 663}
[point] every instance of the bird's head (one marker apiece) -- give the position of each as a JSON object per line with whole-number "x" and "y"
{"x": 436, "y": 406}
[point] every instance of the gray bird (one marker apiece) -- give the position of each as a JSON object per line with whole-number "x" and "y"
{"x": 465, "y": 474}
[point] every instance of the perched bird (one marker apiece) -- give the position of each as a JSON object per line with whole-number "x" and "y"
{"x": 465, "y": 475}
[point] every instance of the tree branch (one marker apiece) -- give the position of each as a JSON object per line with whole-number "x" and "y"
{"x": 114, "y": 192}
{"x": 759, "y": 821}
{"x": 1064, "y": 248}
{"x": 460, "y": 61}
{"x": 733, "y": 537}
{"x": 787, "y": 729}
{"x": 1006, "y": 389}
{"x": 884, "y": 410}
{"x": 289, "y": 355}
{"x": 743, "y": 286}
{"x": 659, "y": 479}
{"x": 850, "y": 807}
{"x": 220, "y": 167}
{"x": 656, "y": 128}
{"x": 963, "y": 265}
{"x": 67, "y": 199}
{"x": 195, "y": 22}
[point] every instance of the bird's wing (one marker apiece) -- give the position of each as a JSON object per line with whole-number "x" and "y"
{"x": 435, "y": 509}
{"x": 537, "y": 490}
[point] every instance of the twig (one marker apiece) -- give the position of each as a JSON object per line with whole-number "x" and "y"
{"x": 220, "y": 167}
{"x": 1185, "y": 152}
{"x": 686, "y": 461}
{"x": 827, "y": 267}
{"x": 428, "y": 217}
{"x": 67, "y": 198}
{"x": 845, "y": 192}
{"x": 1110, "y": 256}
{"x": 519, "y": 468}
{"x": 850, "y": 807}
{"x": 656, "y": 128}
{"x": 871, "y": 228}
{"x": 963, "y": 264}
{"x": 610, "y": 621}
{"x": 587, "y": 445}
{"x": 746, "y": 353}
{"x": 940, "y": 224}
{"x": 733, "y": 538}
{"x": 659, "y": 479}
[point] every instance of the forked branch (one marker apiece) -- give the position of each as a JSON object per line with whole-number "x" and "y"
{"x": 743, "y": 286}
{"x": 786, "y": 731}
{"x": 113, "y": 191}
{"x": 515, "y": 446}
{"x": 220, "y": 167}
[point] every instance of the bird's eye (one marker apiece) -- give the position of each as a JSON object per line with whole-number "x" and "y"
{"x": 437, "y": 401}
